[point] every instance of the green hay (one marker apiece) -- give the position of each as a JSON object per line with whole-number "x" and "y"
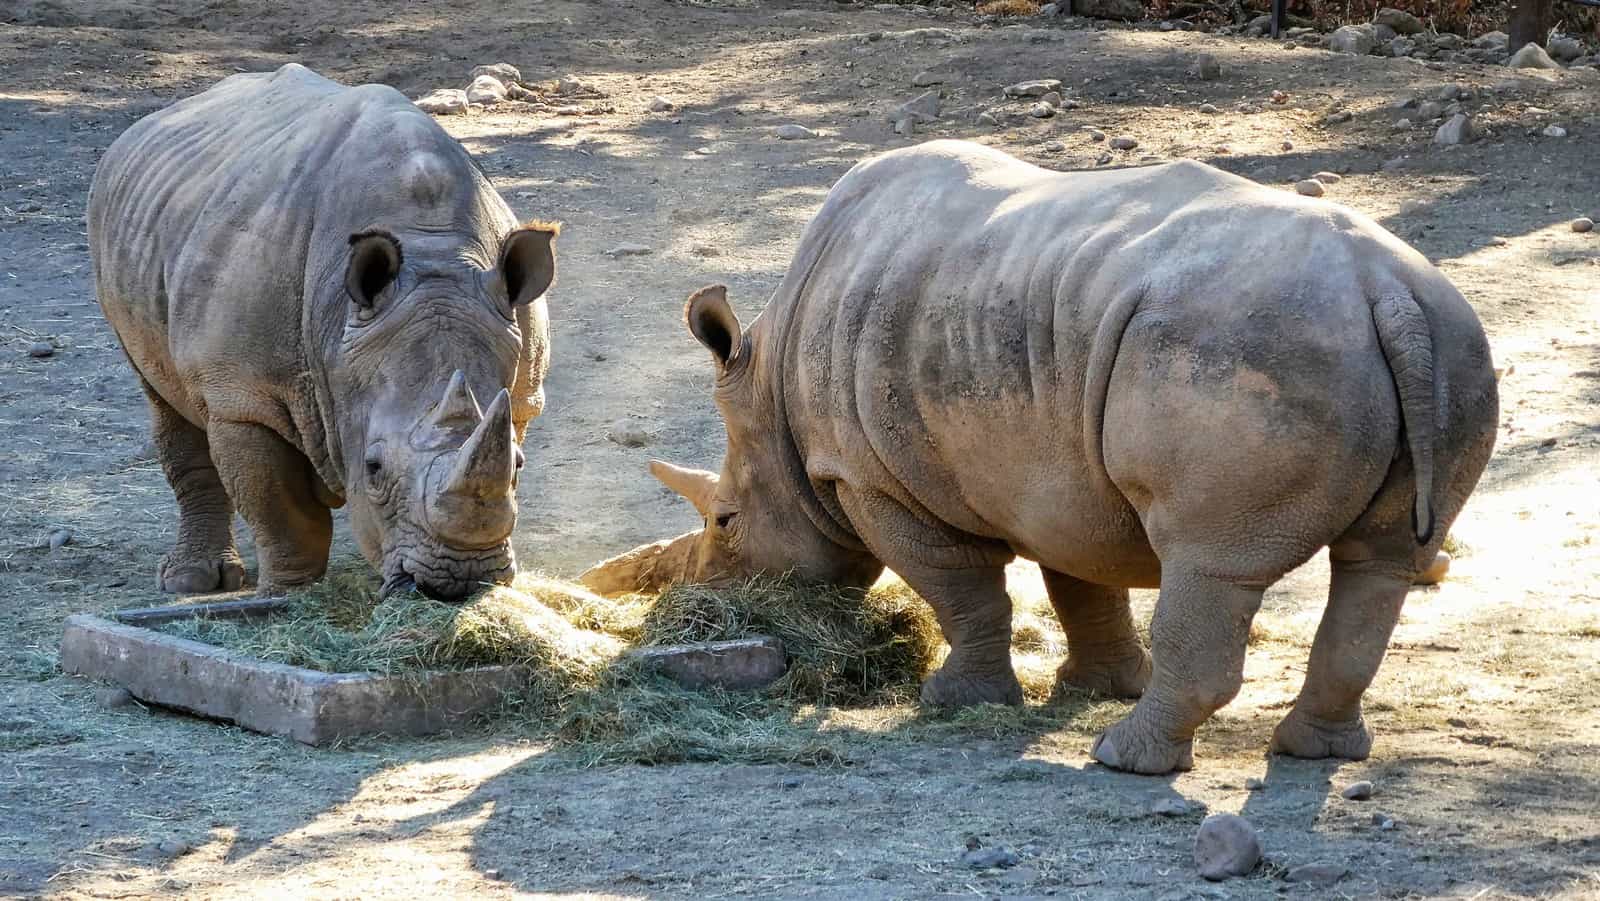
{"x": 847, "y": 651}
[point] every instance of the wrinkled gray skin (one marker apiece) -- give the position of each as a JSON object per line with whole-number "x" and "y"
{"x": 1155, "y": 377}
{"x": 318, "y": 287}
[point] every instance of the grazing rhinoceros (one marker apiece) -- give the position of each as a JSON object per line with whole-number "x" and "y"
{"x": 316, "y": 285}
{"x": 1163, "y": 376}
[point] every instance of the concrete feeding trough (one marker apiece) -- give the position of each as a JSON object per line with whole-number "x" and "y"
{"x": 318, "y": 708}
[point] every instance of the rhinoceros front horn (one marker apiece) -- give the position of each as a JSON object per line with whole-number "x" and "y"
{"x": 486, "y": 463}
{"x": 471, "y": 503}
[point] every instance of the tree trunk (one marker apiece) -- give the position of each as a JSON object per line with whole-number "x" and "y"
{"x": 1530, "y": 23}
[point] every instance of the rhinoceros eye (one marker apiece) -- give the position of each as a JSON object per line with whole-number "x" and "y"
{"x": 724, "y": 519}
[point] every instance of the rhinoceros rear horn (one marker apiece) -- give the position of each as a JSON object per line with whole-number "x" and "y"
{"x": 487, "y": 462}
{"x": 648, "y": 568}
{"x": 713, "y": 324}
{"x": 375, "y": 259}
{"x": 528, "y": 261}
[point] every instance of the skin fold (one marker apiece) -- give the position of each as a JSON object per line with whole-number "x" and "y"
{"x": 1165, "y": 377}
{"x": 327, "y": 304}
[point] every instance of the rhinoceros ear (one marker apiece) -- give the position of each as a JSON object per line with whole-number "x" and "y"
{"x": 374, "y": 262}
{"x": 712, "y": 322}
{"x": 528, "y": 261}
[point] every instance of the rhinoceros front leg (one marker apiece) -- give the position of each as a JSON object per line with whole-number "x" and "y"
{"x": 963, "y": 579}
{"x": 1198, "y": 641}
{"x": 1363, "y": 606}
{"x": 271, "y": 482}
{"x": 1104, "y": 654}
{"x": 204, "y": 557}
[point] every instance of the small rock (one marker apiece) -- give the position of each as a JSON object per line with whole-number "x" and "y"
{"x": 1042, "y": 110}
{"x": 1206, "y": 68}
{"x": 1458, "y": 130}
{"x": 1053, "y": 98}
{"x": 1036, "y": 88}
{"x": 569, "y": 84}
{"x": 629, "y": 434}
{"x": 1382, "y": 820}
{"x": 1050, "y": 10}
{"x": 1493, "y": 40}
{"x": 1564, "y": 48}
{"x": 1554, "y": 131}
{"x": 1387, "y": 825}
{"x": 1338, "y": 118}
{"x": 1309, "y": 187}
{"x": 518, "y": 92}
{"x": 1317, "y": 873}
{"x": 1226, "y": 845}
{"x": 59, "y": 539}
{"x": 505, "y": 73}
{"x": 1286, "y": 146}
{"x": 1254, "y": 784}
{"x": 792, "y": 783}
{"x": 661, "y": 105}
{"x": 1169, "y": 807}
{"x": 113, "y": 697}
{"x": 486, "y": 90}
{"x": 1532, "y": 56}
{"x": 1435, "y": 572}
{"x": 1430, "y": 110}
{"x": 1583, "y": 224}
{"x": 1401, "y": 125}
{"x": 989, "y": 858}
{"x": 1125, "y": 10}
{"x": 629, "y": 250}
{"x": 1102, "y": 159}
{"x": 1401, "y": 47}
{"x": 41, "y": 349}
{"x": 924, "y": 79}
{"x": 1357, "y": 791}
{"x": 1448, "y": 93}
{"x": 1356, "y": 39}
{"x": 906, "y": 116}
{"x": 1328, "y": 178}
{"x": 1096, "y": 134}
{"x": 987, "y": 118}
{"x": 706, "y": 250}
{"x": 794, "y": 132}
{"x": 446, "y": 102}
{"x": 1208, "y": 109}
{"x": 1399, "y": 20}
{"x": 173, "y": 848}
{"x": 1123, "y": 142}
{"x": 28, "y": 206}
{"x": 1054, "y": 147}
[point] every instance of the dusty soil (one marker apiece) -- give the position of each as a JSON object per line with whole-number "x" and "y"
{"x": 1488, "y": 730}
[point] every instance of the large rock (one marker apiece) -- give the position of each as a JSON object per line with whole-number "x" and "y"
{"x": 486, "y": 90}
{"x": 1563, "y": 48}
{"x": 1036, "y": 88}
{"x": 1532, "y": 56}
{"x": 505, "y": 73}
{"x": 446, "y": 102}
{"x": 1126, "y": 10}
{"x": 1226, "y": 845}
{"x": 1398, "y": 19}
{"x": 1457, "y": 130}
{"x": 908, "y": 115}
{"x": 1357, "y": 39}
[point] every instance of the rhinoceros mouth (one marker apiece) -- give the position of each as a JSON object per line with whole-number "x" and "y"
{"x": 448, "y": 574}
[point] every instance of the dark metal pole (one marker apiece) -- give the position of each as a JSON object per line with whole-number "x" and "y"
{"x": 1279, "y": 8}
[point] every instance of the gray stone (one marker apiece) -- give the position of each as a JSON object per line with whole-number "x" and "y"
{"x": 1357, "y": 39}
{"x": 1400, "y": 20}
{"x": 1338, "y": 118}
{"x": 1050, "y": 10}
{"x": 1401, "y": 125}
{"x": 1042, "y": 110}
{"x": 1254, "y": 783}
{"x": 1124, "y": 10}
{"x": 1225, "y": 846}
{"x": 989, "y": 858}
{"x": 486, "y": 90}
{"x": 1457, "y": 130}
{"x": 1206, "y": 67}
{"x": 661, "y": 105}
{"x": 1430, "y": 110}
{"x": 1328, "y": 178}
{"x": 1449, "y": 41}
{"x": 794, "y": 132}
{"x": 1532, "y": 56}
{"x": 1357, "y": 791}
{"x": 41, "y": 349}
{"x": 1448, "y": 93}
{"x": 1123, "y": 142}
{"x": 1309, "y": 187}
{"x": 906, "y": 116}
{"x": 505, "y": 73}
{"x": 1583, "y": 224}
{"x": 1383, "y": 821}
{"x": 1322, "y": 874}
{"x": 1554, "y": 131}
{"x": 1053, "y": 98}
{"x": 738, "y": 665}
{"x": 1095, "y": 134}
{"x": 1493, "y": 40}
{"x": 59, "y": 539}
{"x": 173, "y": 848}
{"x": 628, "y": 433}
{"x": 1208, "y": 109}
{"x": 629, "y": 250}
{"x": 1383, "y": 34}
{"x": 1054, "y": 147}
{"x": 446, "y": 102}
{"x": 924, "y": 79}
{"x": 1036, "y": 88}
{"x": 113, "y": 697}
{"x": 1402, "y": 47}
{"x": 987, "y": 118}
{"x": 1169, "y": 807}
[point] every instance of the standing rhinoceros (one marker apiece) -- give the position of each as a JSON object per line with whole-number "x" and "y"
{"x": 316, "y": 285}
{"x": 1163, "y": 376}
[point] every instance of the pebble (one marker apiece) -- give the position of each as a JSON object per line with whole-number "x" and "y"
{"x": 1036, "y": 88}
{"x": 1169, "y": 807}
{"x": 1532, "y": 56}
{"x": 906, "y": 116}
{"x": 1383, "y": 821}
{"x": 1206, "y": 68}
{"x": 446, "y": 102}
{"x": 505, "y": 73}
{"x": 1431, "y": 109}
{"x": 1053, "y": 98}
{"x": 1328, "y": 178}
{"x": 1054, "y": 147}
{"x": 1401, "y": 125}
{"x": 1286, "y": 146}
{"x": 113, "y": 697}
{"x": 706, "y": 250}
{"x": 987, "y": 118}
{"x": 1042, "y": 110}
{"x": 989, "y": 858}
{"x": 1357, "y": 791}
{"x": 924, "y": 79}
{"x": 1309, "y": 187}
{"x": 628, "y": 434}
{"x": 486, "y": 90}
{"x": 1554, "y": 131}
{"x": 1583, "y": 224}
{"x": 1254, "y": 784}
{"x": 1338, "y": 118}
{"x": 1208, "y": 109}
{"x": 172, "y": 848}
{"x": 1123, "y": 142}
{"x": 1096, "y": 134}
{"x": 661, "y": 105}
{"x": 629, "y": 250}
{"x": 1226, "y": 845}
{"x": 59, "y": 539}
{"x": 1458, "y": 130}
{"x": 1317, "y": 873}
{"x": 29, "y": 206}
{"x": 793, "y": 132}
{"x": 41, "y": 349}
{"x": 1102, "y": 159}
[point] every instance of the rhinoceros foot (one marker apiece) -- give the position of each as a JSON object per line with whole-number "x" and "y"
{"x": 950, "y": 687}
{"x": 1302, "y": 735}
{"x": 1134, "y": 748}
{"x": 1125, "y": 677}
{"x": 200, "y": 574}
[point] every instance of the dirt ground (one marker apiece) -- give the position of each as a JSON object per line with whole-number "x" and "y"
{"x": 1488, "y": 733}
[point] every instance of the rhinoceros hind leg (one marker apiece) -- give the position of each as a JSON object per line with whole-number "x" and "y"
{"x": 1363, "y": 606}
{"x": 974, "y": 613}
{"x": 273, "y": 484}
{"x": 204, "y": 557}
{"x": 1104, "y": 654}
{"x": 1198, "y": 638}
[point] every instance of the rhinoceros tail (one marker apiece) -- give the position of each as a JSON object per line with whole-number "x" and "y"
{"x": 1408, "y": 347}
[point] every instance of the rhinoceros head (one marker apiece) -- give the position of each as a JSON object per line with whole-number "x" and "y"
{"x": 430, "y": 473}
{"x": 755, "y": 513}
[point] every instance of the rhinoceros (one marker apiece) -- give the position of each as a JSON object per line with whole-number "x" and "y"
{"x": 1164, "y": 376}
{"x": 317, "y": 286}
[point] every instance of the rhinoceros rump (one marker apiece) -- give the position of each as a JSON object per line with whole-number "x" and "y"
{"x": 1163, "y": 376}
{"x": 316, "y": 286}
